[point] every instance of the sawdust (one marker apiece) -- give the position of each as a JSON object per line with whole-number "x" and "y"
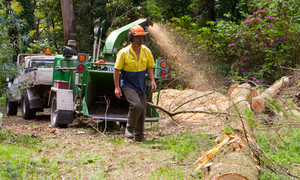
{"x": 170, "y": 49}
{"x": 190, "y": 70}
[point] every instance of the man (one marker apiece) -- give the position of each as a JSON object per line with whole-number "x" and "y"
{"x": 134, "y": 61}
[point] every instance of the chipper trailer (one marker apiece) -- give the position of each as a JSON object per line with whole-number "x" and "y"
{"x": 83, "y": 86}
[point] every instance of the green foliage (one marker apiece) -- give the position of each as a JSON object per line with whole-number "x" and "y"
{"x": 85, "y": 13}
{"x": 27, "y": 14}
{"x": 2, "y": 101}
{"x": 39, "y": 47}
{"x": 255, "y": 48}
{"x": 260, "y": 46}
{"x": 171, "y": 8}
{"x": 152, "y": 10}
{"x": 184, "y": 23}
{"x": 8, "y": 22}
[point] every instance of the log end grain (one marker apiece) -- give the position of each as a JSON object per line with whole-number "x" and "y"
{"x": 231, "y": 176}
{"x": 257, "y": 105}
{"x": 254, "y": 93}
{"x": 232, "y": 87}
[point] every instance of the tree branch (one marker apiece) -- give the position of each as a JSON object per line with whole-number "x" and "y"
{"x": 171, "y": 114}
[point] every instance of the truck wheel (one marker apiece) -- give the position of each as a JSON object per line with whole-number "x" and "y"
{"x": 11, "y": 107}
{"x": 27, "y": 113}
{"x": 56, "y": 115}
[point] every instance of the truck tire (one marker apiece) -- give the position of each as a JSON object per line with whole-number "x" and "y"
{"x": 11, "y": 108}
{"x": 56, "y": 116}
{"x": 27, "y": 113}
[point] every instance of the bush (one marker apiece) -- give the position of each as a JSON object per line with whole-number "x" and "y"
{"x": 260, "y": 46}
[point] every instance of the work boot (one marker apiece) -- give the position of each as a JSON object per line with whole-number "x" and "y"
{"x": 128, "y": 134}
{"x": 139, "y": 138}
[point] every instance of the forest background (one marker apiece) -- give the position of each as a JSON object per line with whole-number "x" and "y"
{"x": 257, "y": 40}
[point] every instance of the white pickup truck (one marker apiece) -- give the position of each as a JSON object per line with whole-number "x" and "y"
{"x": 31, "y": 87}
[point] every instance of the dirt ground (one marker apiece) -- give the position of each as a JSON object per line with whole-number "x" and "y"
{"x": 71, "y": 147}
{"x": 169, "y": 99}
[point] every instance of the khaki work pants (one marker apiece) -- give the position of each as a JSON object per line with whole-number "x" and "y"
{"x": 137, "y": 111}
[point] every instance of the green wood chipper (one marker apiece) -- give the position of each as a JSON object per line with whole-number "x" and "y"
{"x": 84, "y": 86}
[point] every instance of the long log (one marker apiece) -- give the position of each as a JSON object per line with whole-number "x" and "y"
{"x": 258, "y": 101}
{"x": 235, "y": 160}
{"x": 240, "y": 98}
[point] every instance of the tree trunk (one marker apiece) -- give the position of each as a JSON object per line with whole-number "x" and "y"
{"x": 235, "y": 160}
{"x": 258, "y": 101}
{"x": 68, "y": 20}
{"x": 240, "y": 98}
{"x": 37, "y": 29}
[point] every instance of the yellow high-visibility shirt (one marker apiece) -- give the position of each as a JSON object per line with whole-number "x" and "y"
{"x": 133, "y": 70}
{"x": 127, "y": 61}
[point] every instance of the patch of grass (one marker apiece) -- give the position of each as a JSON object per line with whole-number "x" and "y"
{"x": 17, "y": 163}
{"x": 33, "y": 125}
{"x": 283, "y": 146}
{"x": 18, "y": 158}
{"x": 20, "y": 139}
{"x": 183, "y": 144}
{"x": 116, "y": 140}
{"x": 90, "y": 160}
{"x": 267, "y": 175}
{"x": 167, "y": 172}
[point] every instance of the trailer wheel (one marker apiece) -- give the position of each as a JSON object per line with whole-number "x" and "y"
{"x": 56, "y": 115}
{"x": 27, "y": 113}
{"x": 11, "y": 108}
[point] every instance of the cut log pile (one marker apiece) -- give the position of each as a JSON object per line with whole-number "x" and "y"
{"x": 235, "y": 159}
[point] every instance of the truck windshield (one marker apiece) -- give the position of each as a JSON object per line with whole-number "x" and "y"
{"x": 42, "y": 64}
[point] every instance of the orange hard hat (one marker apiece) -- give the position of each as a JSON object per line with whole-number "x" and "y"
{"x": 137, "y": 30}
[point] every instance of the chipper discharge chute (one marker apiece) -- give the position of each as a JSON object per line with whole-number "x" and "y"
{"x": 86, "y": 88}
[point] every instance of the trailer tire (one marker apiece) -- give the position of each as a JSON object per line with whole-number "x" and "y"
{"x": 27, "y": 113}
{"x": 56, "y": 116}
{"x": 11, "y": 108}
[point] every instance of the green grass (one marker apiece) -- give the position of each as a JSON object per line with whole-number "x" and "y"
{"x": 267, "y": 175}
{"x": 19, "y": 159}
{"x": 184, "y": 144}
{"x": 283, "y": 146}
{"x": 166, "y": 172}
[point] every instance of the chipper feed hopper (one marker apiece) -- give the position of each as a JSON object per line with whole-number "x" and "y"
{"x": 85, "y": 87}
